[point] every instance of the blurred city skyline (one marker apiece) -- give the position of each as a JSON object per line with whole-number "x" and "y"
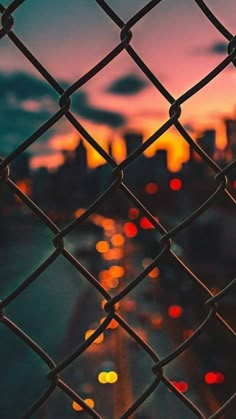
{"x": 119, "y": 98}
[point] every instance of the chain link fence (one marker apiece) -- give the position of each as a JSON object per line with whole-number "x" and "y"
{"x": 64, "y": 96}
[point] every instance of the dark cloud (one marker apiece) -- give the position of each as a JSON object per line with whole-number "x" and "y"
{"x": 97, "y": 115}
{"x": 219, "y": 48}
{"x": 216, "y": 48}
{"x": 27, "y": 102}
{"x": 24, "y": 86}
{"x": 127, "y": 85}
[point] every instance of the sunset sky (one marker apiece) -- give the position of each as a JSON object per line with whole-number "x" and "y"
{"x": 175, "y": 40}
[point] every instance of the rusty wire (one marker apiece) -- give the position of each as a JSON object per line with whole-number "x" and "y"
{"x": 211, "y": 302}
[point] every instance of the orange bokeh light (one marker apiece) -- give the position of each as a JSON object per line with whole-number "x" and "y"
{"x": 102, "y": 246}
{"x": 77, "y": 407}
{"x": 113, "y": 324}
{"x": 103, "y": 303}
{"x": 116, "y": 271}
{"x": 113, "y": 254}
{"x": 154, "y": 273}
{"x": 118, "y": 239}
{"x": 98, "y": 340}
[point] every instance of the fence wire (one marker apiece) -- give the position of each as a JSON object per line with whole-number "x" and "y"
{"x": 64, "y": 100}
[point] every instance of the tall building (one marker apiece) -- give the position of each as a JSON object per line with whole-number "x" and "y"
{"x": 133, "y": 140}
{"x": 81, "y": 156}
{"x": 231, "y": 137}
{"x": 207, "y": 142}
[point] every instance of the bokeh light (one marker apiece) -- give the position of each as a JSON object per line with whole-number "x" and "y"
{"x": 133, "y": 213}
{"x": 175, "y": 184}
{"x": 117, "y": 239}
{"x": 175, "y": 311}
{"x": 151, "y": 188}
{"x": 130, "y": 230}
{"x": 102, "y": 246}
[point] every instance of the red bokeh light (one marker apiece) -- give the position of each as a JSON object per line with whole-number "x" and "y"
{"x": 151, "y": 188}
{"x": 175, "y": 184}
{"x": 234, "y": 184}
{"x": 220, "y": 378}
{"x": 145, "y": 223}
{"x": 130, "y": 230}
{"x": 187, "y": 333}
{"x": 133, "y": 213}
{"x": 181, "y": 386}
{"x": 210, "y": 378}
{"x": 175, "y": 311}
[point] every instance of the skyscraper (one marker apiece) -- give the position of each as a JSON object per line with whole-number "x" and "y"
{"x": 231, "y": 137}
{"x": 133, "y": 140}
{"x": 207, "y": 142}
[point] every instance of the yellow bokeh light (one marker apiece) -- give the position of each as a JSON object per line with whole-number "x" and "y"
{"x": 118, "y": 240}
{"x": 116, "y": 271}
{"x": 102, "y": 377}
{"x": 102, "y": 246}
{"x": 98, "y": 340}
{"x": 111, "y": 377}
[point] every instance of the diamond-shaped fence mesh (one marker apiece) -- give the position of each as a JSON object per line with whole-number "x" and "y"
{"x": 211, "y": 302}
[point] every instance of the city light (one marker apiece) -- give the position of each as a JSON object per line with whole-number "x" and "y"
{"x": 214, "y": 378}
{"x": 113, "y": 324}
{"x": 102, "y": 377}
{"x": 110, "y": 377}
{"x": 151, "y": 188}
{"x": 154, "y": 273}
{"x": 116, "y": 271}
{"x": 117, "y": 240}
{"x": 157, "y": 321}
{"x": 102, "y": 246}
{"x": 175, "y": 184}
{"x": 182, "y": 386}
{"x": 145, "y": 223}
{"x": 78, "y": 408}
{"x": 98, "y": 340}
{"x": 108, "y": 224}
{"x": 133, "y": 213}
{"x": 130, "y": 230}
{"x": 187, "y": 333}
{"x": 210, "y": 378}
{"x": 175, "y": 311}
{"x": 103, "y": 303}
{"x": 113, "y": 254}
